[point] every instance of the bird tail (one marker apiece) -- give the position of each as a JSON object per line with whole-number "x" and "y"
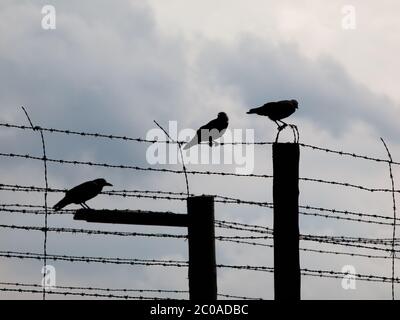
{"x": 191, "y": 143}
{"x": 61, "y": 204}
{"x": 251, "y": 111}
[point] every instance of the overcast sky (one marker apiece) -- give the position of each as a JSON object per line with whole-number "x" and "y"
{"x": 115, "y": 66}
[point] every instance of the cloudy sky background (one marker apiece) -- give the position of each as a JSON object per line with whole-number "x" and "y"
{"x": 114, "y": 67}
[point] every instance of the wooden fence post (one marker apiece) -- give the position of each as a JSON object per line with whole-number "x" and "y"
{"x": 201, "y": 234}
{"x": 287, "y": 275}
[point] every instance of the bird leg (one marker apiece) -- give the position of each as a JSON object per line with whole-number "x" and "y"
{"x": 210, "y": 141}
{"x": 284, "y": 124}
{"x": 88, "y": 207}
{"x": 84, "y": 205}
{"x": 280, "y": 127}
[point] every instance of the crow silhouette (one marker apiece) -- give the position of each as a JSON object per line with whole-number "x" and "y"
{"x": 211, "y": 131}
{"x": 276, "y": 111}
{"x": 82, "y": 193}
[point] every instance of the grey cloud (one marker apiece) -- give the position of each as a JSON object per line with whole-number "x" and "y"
{"x": 328, "y": 96}
{"x": 105, "y": 66}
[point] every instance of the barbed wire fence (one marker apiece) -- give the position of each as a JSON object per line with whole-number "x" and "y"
{"x": 381, "y": 249}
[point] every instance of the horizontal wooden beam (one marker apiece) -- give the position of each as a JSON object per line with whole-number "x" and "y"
{"x": 136, "y": 217}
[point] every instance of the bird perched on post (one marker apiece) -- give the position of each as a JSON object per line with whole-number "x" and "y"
{"x": 82, "y": 193}
{"x": 211, "y": 131}
{"x": 277, "y": 111}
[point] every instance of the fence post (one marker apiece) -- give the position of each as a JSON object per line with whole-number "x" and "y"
{"x": 201, "y": 234}
{"x": 287, "y": 276}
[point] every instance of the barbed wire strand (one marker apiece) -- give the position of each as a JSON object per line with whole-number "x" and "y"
{"x": 347, "y": 212}
{"x": 36, "y": 211}
{"x": 18, "y": 284}
{"x": 246, "y": 227}
{"x": 219, "y": 223}
{"x": 219, "y": 199}
{"x": 239, "y": 241}
{"x": 150, "y": 262}
{"x": 93, "y": 231}
{"x": 340, "y": 275}
{"x": 369, "y": 256}
{"x": 246, "y": 242}
{"x": 82, "y": 294}
{"x": 192, "y": 172}
{"x": 331, "y": 240}
{"x": 8, "y": 209}
{"x": 313, "y": 272}
{"x": 137, "y": 168}
{"x": 340, "y": 240}
{"x": 330, "y": 216}
{"x": 338, "y": 243}
{"x": 91, "y": 259}
{"x": 21, "y": 205}
{"x": 37, "y": 128}
{"x": 72, "y": 211}
{"x": 343, "y": 153}
{"x": 235, "y": 297}
{"x": 125, "y": 138}
{"x": 182, "y": 197}
{"x": 321, "y": 273}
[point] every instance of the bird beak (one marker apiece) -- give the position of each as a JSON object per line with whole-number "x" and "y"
{"x": 108, "y": 184}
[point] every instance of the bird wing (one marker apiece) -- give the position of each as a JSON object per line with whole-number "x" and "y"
{"x": 275, "y": 110}
{"x": 61, "y": 204}
{"x": 192, "y": 142}
{"x": 213, "y": 129}
{"x": 218, "y": 124}
{"x": 265, "y": 109}
{"x": 210, "y": 125}
{"x": 83, "y": 192}
{"x": 281, "y": 110}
